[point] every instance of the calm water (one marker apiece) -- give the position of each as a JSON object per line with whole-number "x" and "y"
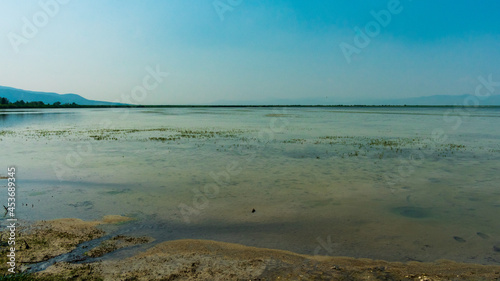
{"x": 387, "y": 183}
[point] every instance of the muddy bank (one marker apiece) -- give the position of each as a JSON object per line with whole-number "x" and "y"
{"x": 44, "y": 240}
{"x": 211, "y": 260}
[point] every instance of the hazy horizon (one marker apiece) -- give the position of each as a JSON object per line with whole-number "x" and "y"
{"x": 186, "y": 52}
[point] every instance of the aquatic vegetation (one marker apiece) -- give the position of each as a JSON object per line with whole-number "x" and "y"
{"x": 278, "y": 115}
{"x": 51, "y": 133}
{"x": 102, "y": 137}
{"x": 190, "y": 133}
{"x": 6, "y": 133}
{"x": 383, "y": 142}
{"x": 164, "y": 139}
{"x": 346, "y": 145}
{"x": 382, "y": 147}
{"x": 335, "y": 137}
{"x": 301, "y": 141}
{"x": 116, "y": 134}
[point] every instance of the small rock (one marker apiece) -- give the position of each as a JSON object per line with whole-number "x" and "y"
{"x": 253, "y": 210}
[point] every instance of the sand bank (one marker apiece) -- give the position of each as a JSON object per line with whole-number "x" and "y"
{"x": 211, "y": 260}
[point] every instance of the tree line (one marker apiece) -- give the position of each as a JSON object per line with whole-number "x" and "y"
{"x": 5, "y": 103}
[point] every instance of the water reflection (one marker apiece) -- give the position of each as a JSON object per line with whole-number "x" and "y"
{"x": 13, "y": 118}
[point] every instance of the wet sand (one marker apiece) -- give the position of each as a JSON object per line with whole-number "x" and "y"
{"x": 211, "y": 260}
{"x": 44, "y": 240}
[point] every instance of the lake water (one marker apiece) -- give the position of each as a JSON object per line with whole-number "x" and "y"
{"x": 398, "y": 184}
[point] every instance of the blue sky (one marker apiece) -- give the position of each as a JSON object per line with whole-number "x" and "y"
{"x": 248, "y": 50}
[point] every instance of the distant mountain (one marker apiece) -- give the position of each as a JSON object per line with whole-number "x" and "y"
{"x": 438, "y": 100}
{"x": 13, "y": 95}
{"x": 298, "y": 101}
{"x": 427, "y": 100}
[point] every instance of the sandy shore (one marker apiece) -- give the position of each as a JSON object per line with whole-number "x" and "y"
{"x": 210, "y": 260}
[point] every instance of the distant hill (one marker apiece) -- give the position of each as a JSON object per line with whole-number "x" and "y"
{"x": 427, "y": 100}
{"x": 299, "y": 101}
{"x": 440, "y": 100}
{"x": 13, "y": 95}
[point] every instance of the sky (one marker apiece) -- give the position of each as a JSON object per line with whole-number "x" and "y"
{"x": 206, "y": 51}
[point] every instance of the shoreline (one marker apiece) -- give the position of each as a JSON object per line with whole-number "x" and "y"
{"x": 77, "y": 106}
{"x": 211, "y": 260}
{"x": 195, "y": 259}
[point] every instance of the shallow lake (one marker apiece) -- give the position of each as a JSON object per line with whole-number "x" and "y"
{"x": 398, "y": 184}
